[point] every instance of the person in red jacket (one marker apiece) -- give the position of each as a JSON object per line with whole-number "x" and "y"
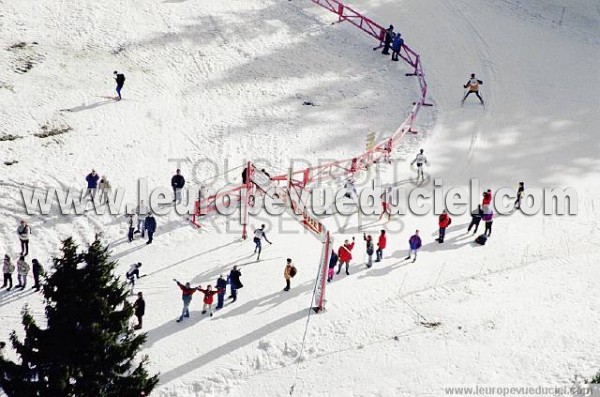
{"x": 380, "y": 246}
{"x": 345, "y": 256}
{"x": 208, "y": 297}
{"x": 487, "y": 198}
{"x": 186, "y": 297}
{"x": 443, "y": 222}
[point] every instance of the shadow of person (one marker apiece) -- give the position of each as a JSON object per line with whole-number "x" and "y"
{"x": 172, "y": 327}
{"x": 90, "y": 106}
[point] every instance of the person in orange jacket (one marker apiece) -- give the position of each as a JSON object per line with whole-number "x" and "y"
{"x": 208, "y": 297}
{"x": 443, "y": 222}
{"x": 345, "y": 256}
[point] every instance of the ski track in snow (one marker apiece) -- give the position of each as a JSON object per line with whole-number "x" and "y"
{"x": 226, "y": 80}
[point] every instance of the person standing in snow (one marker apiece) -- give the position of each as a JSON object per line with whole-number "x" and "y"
{"x": 37, "y": 270}
{"x": 381, "y": 243}
{"x": 475, "y": 219}
{"x": 386, "y": 199}
{"x": 420, "y": 159}
{"x": 370, "y": 248}
{"x": 288, "y": 273}
{"x": 132, "y": 274}
{"x": 487, "y": 200}
{"x": 92, "y": 184}
{"x": 520, "y": 193}
{"x": 387, "y": 40}
{"x": 208, "y": 298}
{"x": 350, "y": 189}
{"x": 186, "y": 296}
{"x": 24, "y": 232}
{"x": 473, "y": 85}
{"x": 221, "y": 287}
{"x": 234, "y": 282}
{"x": 259, "y": 234}
{"x": 488, "y": 216}
{"x": 139, "y": 309}
{"x": 120, "y": 79}
{"x": 150, "y": 226}
{"x": 104, "y": 189}
{"x": 444, "y": 221}
{"x": 345, "y": 256}
{"x": 7, "y": 269}
{"x": 132, "y": 222}
{"x": 332, "y": 262}
{"x": 141, "y": 223}
{"x": 414, "y": 243}
{"x": 22, "y": 271}
{"x": 177, "y": 183}
{"x": 397, "y": 44}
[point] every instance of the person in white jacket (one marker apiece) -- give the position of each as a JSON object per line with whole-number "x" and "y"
{"x": 22, "y": 271}
{"x": 132, "y": 223}
{"x": 142, "y": 213}
{"x": 420, "y": 159}
{"x": 7, "y": 268}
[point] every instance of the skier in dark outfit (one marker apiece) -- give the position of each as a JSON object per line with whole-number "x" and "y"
{"x": 473, "y": 84}
{"x": 120, "y": 79}
{"x": 387, "y": 40}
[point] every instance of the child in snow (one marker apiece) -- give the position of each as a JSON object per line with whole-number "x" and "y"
{"x": 7, "y": 268}
{"x": 24, "y": 231}
{"x": 414, "y": 243}
{"x": 186, "y": 296}
{"x": 259, "y": 234}
{"x": 22, "y": 271}
{"x": 345, "y": 256}
{"x": 444, "y": 221}
{"x": 139, "y": 308}
{"x": 381, "y": 243}
{"x": 332, "y": 262}
{"x": 208, "y": 298}
{"x": 473, "y": 84}
{"x": 288, "y": 273}
{"x": 475, "y": 219}
{"x": 132, "y": 274}
{"x": 370, "y": 248}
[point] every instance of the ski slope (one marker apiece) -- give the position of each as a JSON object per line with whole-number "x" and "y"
{"x": 226, "y": 81}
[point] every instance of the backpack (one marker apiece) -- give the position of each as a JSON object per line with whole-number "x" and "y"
{"x": 481, "y": 239}
{"x": 293, "y": 271}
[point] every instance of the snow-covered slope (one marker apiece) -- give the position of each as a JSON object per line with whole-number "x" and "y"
{"x": 225, "y": 80}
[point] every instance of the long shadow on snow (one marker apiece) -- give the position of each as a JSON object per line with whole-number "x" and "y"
{"x": 172, "y": 327}
{"x": 232, "y": 346}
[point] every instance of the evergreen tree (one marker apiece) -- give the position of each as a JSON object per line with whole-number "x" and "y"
{"x": 88, "y": 348}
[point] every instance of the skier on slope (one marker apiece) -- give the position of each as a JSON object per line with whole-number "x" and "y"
{"x": 120, "y": 79}
{"x": 420, "y": 159}
{"x": 350, "y": 189}
{"x": 259, "y": 234}
{"x": 473, "y": 85}
{"x": 186, "y": 296}
{"x": 345, "y": 256}
{"x": 387, "y": 41}
{"x": 520, "y": 193}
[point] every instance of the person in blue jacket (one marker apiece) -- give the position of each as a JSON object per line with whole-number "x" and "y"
{"x": 397, "y": 46}
{"x": 221, "y": 287}
{"x": 415, "y": 243}
{"x": 92, "y": 183}
{"x": 150, "y": 226}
